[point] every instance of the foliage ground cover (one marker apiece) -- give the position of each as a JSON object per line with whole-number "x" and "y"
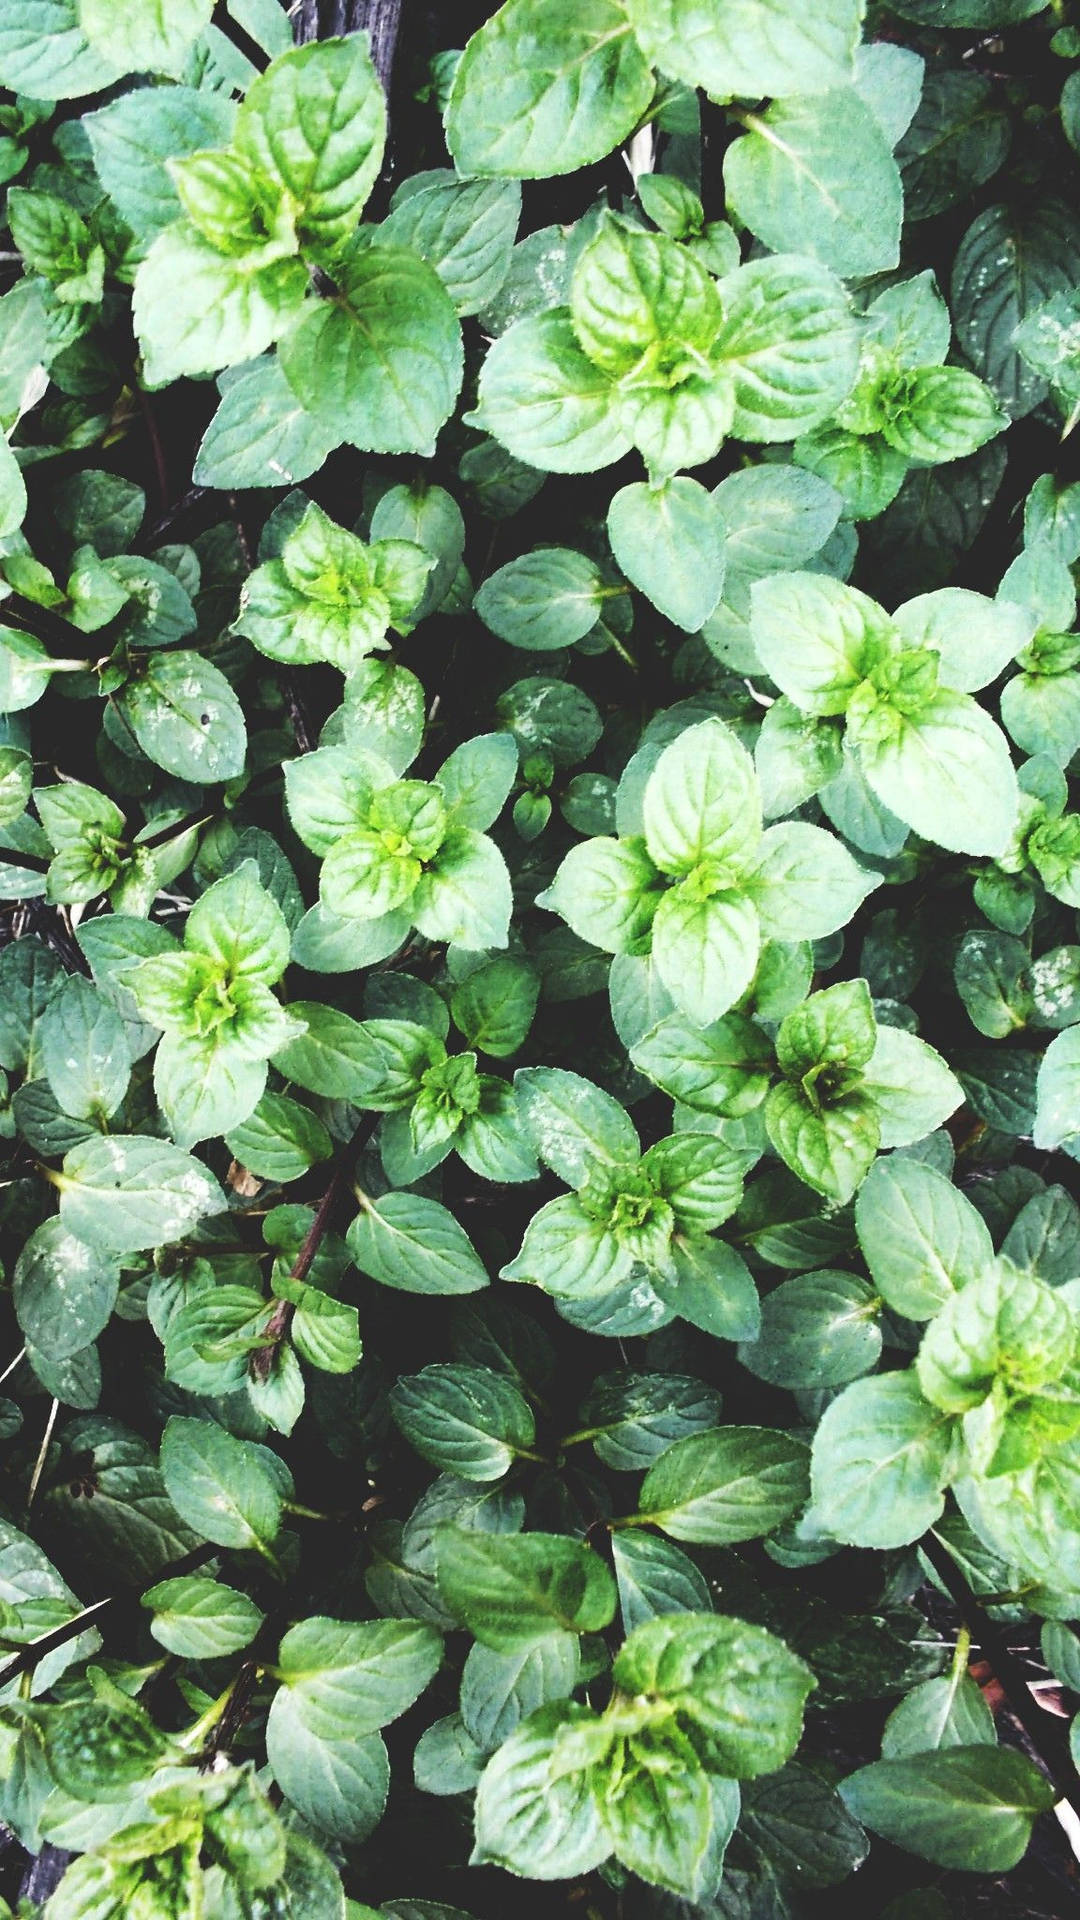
{"x": 540, "y": 1000}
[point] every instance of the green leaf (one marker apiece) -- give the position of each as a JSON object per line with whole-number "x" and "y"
{"x": 865, "y": 469}
{"x": 209, "y": 1338}
{"x": 199, "y": 1618}
{"x": 1061, "y": 1652}
{"x": 132, "y": 138}
{"x": 463, "y": 1419}
{"x": 338, "y": 1784}
{"x": 880, "y": 1463}
{"x": 447, "y": 1760}
{"x": 731, "y": 1484}
{"x": 737, "y": 1690}
{"x": 416, "y": 1245}
{"x": 499, "y": 1690}
{"x": 802, "y": 1828}
{"x": 1008, "y": 264}
{"x": 911, "y": 1088}
{"x": 830, "y": 1147}
{"x": 569, "y": 1253}
{"x": 813, "y": 635}
{"x": 222, "y": 1487}
{"x": 45, "y": 53}
{"x": 464, "y": 228}
{"x": 280, "y": 1139}
{"x": 816, "y": 175}
{"x": 144, "y": 39}
{"x": 607, "y": 891}
{"x": 1001, "y": 1086}
{"x": 325, "y": 1331}
{"x": 330, "y": 597}
{"x": 957, "y": 139}
{"x": 130, "y": 1522}
{"x": 706, "y": 951}
{"x": 536, "y": 93}
{"x": 333, "y": 1056}
{"x": 464, "y": 895}
{"x": 536, "y": 1813}
{"x": 12, "y": 492}
{"x": 573, "y": 1125}
{"x": 921, "y": 1238}
{"x": 699, "y": 1176}
{"x": 722, "y": 1069}
{"x": 84, "y": 1051}
{"x": 636, "y": 295}
{"x": 950, "y": 1711}
{"x": 818, "y": 1330}
{"x": 543, "y": 399}
{"x": 655, "y": 1578}
{"x": 947, "y": 771}
{"x": 98, "y": 1750}
{"x": 208, "y": 1086}
{"x": 701, "y": 801}
{"x": 315, "y": 121}
{"x": 669, "y": 541}
{"x": 379, "y": 365}
{"x": 186, "y": 718}
{"x": 345, "y": 1679}
{"x": 805, "y": 883}
{"x": 659, "y": 1817}
{"x": 494, "y": 1005}
{"x": 942, "y": 413}
{"x": 1004, "y": 1323}
{"x": 970, "y": 1808}
{"x": 751, "y": 48}
{"x": 510, "y": 1590}
{"x": 122, "y": 1193}
{"x": 1057, "y": 1117}
{"x": 240, "y": 928}
{"x": 974, "y": 638}
{"x": 710, "y": 1285}
{"x": 260, "y": 435}
{"x": 632, "y": 1417}
{"x": 197, "y": 310}
{"x": 790, "y": 343}
{"x": 546, "y": 600}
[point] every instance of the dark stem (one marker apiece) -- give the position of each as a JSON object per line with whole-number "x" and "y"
{"x": 1044, "y": 1730}
{"x": 161, "y": 472}
{"x": 321, "y": 19}
{"x": 298, "y": 716}
{"x": 162, "y": 524}
{"x": 221, "y": 1737}
{"x": 262, "y": 1361}
{"x": 44, "y": 1873}
{"x": 242, "y": 41}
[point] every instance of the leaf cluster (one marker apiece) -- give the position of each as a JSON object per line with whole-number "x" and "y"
{"x": 539, "y": 969}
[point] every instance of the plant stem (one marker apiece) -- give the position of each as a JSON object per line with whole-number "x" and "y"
{"x": 277, "y": 1327}
{"x": 229, "y": 1712}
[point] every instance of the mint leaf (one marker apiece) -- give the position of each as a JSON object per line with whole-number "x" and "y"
{"x": 537, "y": 93}
{"x": 754, "y": 48}
{"x": 316, "y": 122}
{"x": 816, "y": 174}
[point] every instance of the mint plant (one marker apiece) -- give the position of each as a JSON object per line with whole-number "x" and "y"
{"x": 539, "y": 971}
